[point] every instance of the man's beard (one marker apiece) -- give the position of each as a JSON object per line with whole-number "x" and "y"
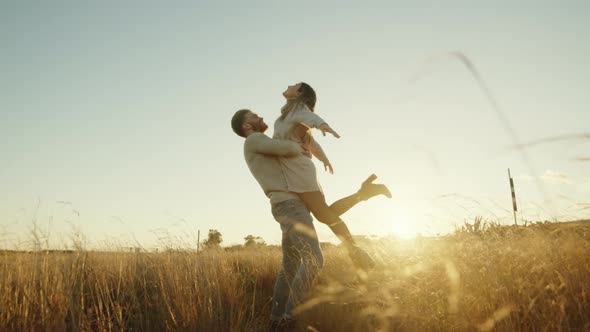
{"x": 260, "y": 127}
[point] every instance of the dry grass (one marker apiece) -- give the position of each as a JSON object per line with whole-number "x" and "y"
{"x": 481, "y": 278}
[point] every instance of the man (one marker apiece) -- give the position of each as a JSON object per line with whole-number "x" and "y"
{"x": 302, "y": 256}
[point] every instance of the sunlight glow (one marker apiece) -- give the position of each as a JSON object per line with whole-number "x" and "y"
{"x": 404, "y": 229}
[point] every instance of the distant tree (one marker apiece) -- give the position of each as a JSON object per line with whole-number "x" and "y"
{"x": 214, "y": 239}
{"x": 252, "y": 240}
{"x": 235, "y": 247}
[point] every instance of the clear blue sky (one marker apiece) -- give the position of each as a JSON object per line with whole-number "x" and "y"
{"x": 115, "y": 116}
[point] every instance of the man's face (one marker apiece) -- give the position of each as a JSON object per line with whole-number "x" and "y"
{"x": 256, "y": 122}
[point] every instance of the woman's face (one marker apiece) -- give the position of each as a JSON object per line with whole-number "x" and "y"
{"x": 292, "y": 91}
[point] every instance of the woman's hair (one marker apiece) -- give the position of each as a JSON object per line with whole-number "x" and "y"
{"x": 307, "y": 98}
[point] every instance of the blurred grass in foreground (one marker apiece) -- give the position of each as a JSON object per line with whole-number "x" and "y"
{"x": 483, "y": 277}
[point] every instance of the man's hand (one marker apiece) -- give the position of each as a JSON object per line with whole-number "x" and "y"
{"x": 326, "y": 129}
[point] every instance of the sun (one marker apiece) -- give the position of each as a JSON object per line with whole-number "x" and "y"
{"x": 404, "y": 230}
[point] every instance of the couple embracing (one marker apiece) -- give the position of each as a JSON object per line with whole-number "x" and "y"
{"x": 283, "y": 167}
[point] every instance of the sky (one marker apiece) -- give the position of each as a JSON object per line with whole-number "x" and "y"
{"x": 115, "y": 117}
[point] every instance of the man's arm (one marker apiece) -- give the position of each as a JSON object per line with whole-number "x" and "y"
{"x": 263, "y": 144}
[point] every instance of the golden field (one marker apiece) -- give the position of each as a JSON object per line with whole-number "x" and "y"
{"x": 481, "y": 278}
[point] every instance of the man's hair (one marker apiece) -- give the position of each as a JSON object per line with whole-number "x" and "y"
{"x": 238, "y": 120}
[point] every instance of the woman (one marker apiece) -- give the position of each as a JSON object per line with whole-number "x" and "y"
{"x": 295, "y": 123}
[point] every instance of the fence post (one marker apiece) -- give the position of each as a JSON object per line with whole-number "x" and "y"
{"x": 514, "y": 209}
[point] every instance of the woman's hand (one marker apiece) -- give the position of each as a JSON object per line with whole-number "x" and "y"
{"x": 326, "y": 129}
{"x": 328, "y": 167}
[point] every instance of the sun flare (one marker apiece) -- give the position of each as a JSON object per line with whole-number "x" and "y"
{"x": 404, "y": 230}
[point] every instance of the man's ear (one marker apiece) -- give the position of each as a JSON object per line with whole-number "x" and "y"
{"x": 246, "y": 126}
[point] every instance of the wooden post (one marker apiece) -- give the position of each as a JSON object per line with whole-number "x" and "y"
{"x": 198, "y": 240}
{"x": 514, "y": 208}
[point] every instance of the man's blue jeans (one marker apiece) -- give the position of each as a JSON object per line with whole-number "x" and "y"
{"x": 302, "y": 257}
